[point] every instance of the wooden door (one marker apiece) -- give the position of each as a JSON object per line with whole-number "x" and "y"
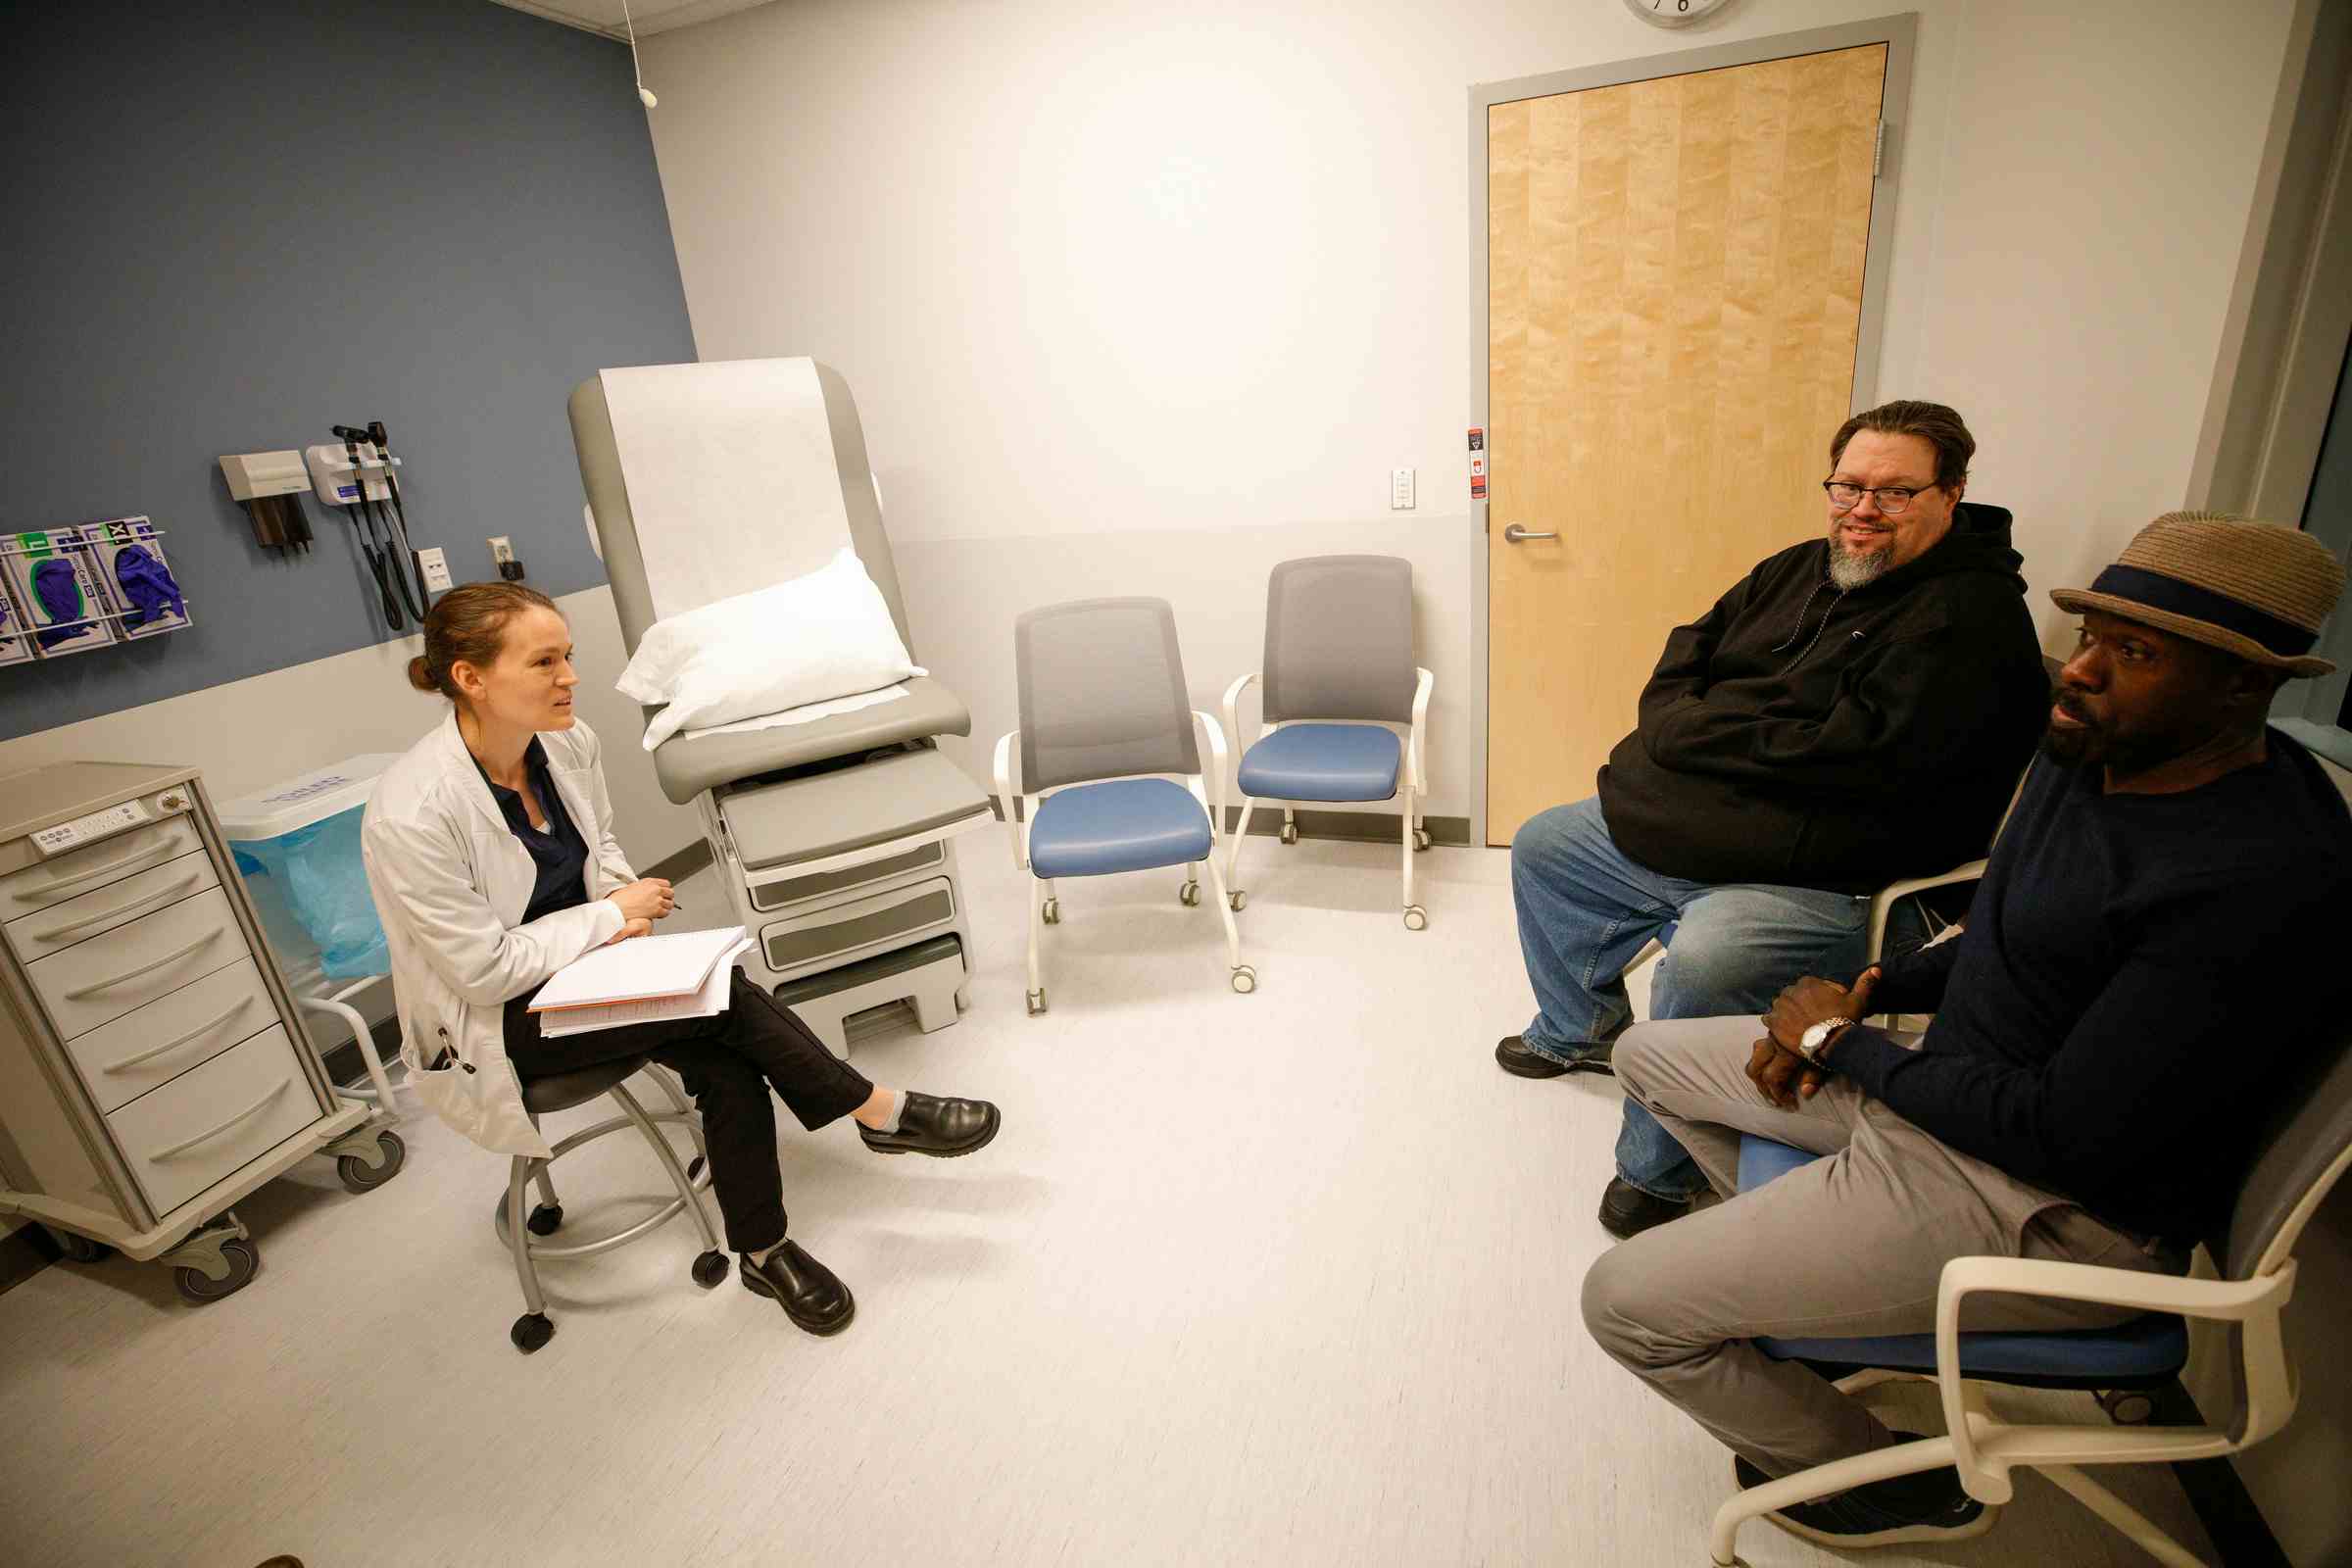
{"x": 1674, "y": 293}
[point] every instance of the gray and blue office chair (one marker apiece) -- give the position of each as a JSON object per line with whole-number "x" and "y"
{"x": 1344, "y": 712}
{"x": 2305, "y": 1154}
{"x": 1106, "y": 718}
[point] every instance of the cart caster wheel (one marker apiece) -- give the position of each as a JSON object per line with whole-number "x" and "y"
{"x": 361, "y": 1177}
{"x": 78, "y": 1248}
{"x": 1188, "y": 895}
{"x": 545, "y": 1218}
{"x": 1416, "y": 919}
{"x": 710, "y": 1269}
{"x": 243, "y": 1263}
{"x": 2128, "y": 1407}
{"x": 1289, "y": 833}
{"x": 1036, "y": 1002}
{"x": 694, "y": 1168}
{"x": 1053, "y": 912}
{"x": 531, "y": 1331}
{"x": 1244, "y": 979}
{"x": 1238, "y": 899}
{"x": 1420, "y": 839}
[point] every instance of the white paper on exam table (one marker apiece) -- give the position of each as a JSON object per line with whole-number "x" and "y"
{"x": 640, "y": 969}
{"x": 809, "y": 713}
{"x": 706, "y": 1003}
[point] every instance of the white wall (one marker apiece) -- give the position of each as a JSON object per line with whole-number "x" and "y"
{"x": 1143, "y": 298}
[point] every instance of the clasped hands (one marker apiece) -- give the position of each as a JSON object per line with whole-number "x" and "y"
{"x": 1774, "y": 1066}
{"x": 641, "y": 903}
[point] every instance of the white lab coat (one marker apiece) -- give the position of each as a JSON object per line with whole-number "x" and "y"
{"x": 451, "y": 881}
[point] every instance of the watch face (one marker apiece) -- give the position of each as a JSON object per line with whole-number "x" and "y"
{"x": 1674, "y": 13}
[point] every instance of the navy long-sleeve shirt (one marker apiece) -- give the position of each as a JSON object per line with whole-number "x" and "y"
{"x": 2141, "y": 978}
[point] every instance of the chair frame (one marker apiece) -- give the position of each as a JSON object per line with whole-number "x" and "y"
{"x": 1045, "y": 904}
{"x": 1985, "y": 1449}
{"x": 1412, "y": 784}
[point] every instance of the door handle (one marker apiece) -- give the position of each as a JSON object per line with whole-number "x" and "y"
{"x": 1514, "y": 534}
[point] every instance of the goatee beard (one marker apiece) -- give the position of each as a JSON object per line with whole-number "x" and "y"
{"x": 1851, "y": 570}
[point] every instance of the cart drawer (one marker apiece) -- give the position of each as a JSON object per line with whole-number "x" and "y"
{"x": 97, "y": 982}
{"x": 181, "y": 1137}
{"x": 103, "y": 909}
{"x": 94, "y": 865}
{"x": 152, "y": 1044}
{"x": 845, "y": 931}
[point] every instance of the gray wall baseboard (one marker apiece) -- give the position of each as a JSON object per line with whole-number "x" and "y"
{"x": 1362, "y": 827}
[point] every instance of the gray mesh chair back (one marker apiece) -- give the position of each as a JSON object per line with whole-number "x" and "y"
{"x": 2308, "y": 1135}
{"x": 1102, "y": 693}
{"x": 1339, "y": 639}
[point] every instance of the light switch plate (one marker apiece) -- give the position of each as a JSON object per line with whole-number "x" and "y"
{"x": 1400, "y": 489}
{"x": 436, "y": 570}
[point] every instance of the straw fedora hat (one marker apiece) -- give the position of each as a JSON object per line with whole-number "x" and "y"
{"x": 2254, "y": 589}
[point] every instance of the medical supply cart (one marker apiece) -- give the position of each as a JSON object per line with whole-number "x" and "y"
{"x": 153, "y": 1068}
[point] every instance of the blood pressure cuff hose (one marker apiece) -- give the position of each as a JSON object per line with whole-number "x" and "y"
{"x": 59, "y": 593}
{"x": 148, "y": 584}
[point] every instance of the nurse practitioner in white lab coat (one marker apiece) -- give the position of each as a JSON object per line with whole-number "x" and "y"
{"x": 489, "y": 849}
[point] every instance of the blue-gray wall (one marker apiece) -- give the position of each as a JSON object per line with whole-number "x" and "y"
{"x": 229, "y": 226}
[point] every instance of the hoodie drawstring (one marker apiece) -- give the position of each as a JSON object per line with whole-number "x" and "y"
{"x": 1800, "y": 626}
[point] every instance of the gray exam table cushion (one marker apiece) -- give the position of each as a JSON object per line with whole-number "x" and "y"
{"x": 894, "y": 796}
{"x": 687, "y": 765}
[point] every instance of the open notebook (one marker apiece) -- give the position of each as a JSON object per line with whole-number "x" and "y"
{"x": 643, "y": 980}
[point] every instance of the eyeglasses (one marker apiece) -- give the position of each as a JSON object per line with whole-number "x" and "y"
{"x": 1894, "y": 500}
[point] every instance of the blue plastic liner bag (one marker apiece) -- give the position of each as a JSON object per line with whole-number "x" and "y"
{"x": 323, "y": 885}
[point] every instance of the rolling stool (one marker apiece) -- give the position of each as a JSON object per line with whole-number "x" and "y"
{"x": 561, "y": 1091}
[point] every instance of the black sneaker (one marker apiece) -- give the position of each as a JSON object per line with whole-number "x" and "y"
{"x": 1931, "y": 1505}
{"x": 1626, "y": 1210}
{"x": 1514, "y": 1056}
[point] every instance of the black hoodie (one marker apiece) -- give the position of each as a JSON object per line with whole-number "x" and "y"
{"x": 1808, "y": 736}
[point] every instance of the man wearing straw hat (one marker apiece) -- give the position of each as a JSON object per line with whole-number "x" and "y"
{"x": 2105, "y": 1040}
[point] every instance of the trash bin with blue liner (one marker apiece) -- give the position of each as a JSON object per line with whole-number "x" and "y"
{"x": 297, "y": 846}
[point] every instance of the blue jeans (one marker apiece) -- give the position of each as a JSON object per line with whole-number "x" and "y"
{"x": 1585, "y": 911}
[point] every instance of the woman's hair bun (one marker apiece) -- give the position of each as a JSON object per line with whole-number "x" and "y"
{"x": 420, "y": 675}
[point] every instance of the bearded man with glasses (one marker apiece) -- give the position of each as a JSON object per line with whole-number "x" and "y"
{"x": 1854, "y": 710}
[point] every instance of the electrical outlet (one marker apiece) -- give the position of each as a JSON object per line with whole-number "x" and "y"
{"x": 1400, "y": 489}
{"x": 436, "y": 570}
{"x": 502, "y": 550}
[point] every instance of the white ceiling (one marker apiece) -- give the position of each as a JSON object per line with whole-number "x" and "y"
{"x": 650, "y": 15}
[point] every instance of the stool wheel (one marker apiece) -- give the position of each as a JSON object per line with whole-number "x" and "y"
{"x": 1289, "y": 833}
{"x": 545, "y": 1218}
{"x": 1052, "y": 914}
{"x": 1244, "y": 979}
{"x": 1416, "y": 919}
{"x": 710, "y": 1269}
{"x": 694, "y": 1169}
{"x": 531, "y": 1331}
{"x": 2128, "y": 1407}
{"x": 1036, "y": 1002}
{"x": 358, "y": 1176}
{"x": 1188, "y": 895}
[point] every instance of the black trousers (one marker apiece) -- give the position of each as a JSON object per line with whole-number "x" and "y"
{"x": 728, "y": 1061}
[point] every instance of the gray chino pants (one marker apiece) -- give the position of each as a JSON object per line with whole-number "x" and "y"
{"x": 1847, "y": 1247}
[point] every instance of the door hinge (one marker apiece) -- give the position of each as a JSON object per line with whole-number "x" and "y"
{"x": 1877, "y": 151}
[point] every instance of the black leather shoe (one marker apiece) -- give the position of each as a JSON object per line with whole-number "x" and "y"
{"x": 811, "y": 1293}
{"x": 1513, "y": 1055}
{"x": 1931, "y": 1505}
{"x": 940, "y": 1128}
{"x": 1626, "y": 1210}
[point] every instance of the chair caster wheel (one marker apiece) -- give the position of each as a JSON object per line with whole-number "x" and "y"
{"x": 531, "y": 1331}
{"x": 1416, "y": 919}
{"x": 1244, "y": 979}
{"x": 1289, "y": 833}
{"x": 2128, "y": 1407}
{"x": 1188, "y": 895}
{"x": 710, "y": 1268}
{"x": 694, "y": 1168}
{"x": 1053, "y": 912}
{"x": 545, "y": 1218}
{"x": 1036, "y": 1002}
{"x": 1238, "y": 899}
{"x": 1420, "y": 839}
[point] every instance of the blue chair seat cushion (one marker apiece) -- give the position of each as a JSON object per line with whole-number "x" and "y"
{"x": 2154, "y": 1344}
{"x": 1127, "y": 824}
{"x": 1323, "y": 762}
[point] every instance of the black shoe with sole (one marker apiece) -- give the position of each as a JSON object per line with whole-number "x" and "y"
{"x": 811, "y": 1293}
{"x": 1513, "y": 1056}
{"x": 1626, "y": 1210}
{"x": 940, "y": 1128}
{"x": 1931, "y": 1505}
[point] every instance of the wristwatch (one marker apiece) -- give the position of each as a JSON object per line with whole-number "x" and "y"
{"x": 1816, "y": 1038}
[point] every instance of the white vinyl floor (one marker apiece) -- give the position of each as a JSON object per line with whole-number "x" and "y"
{"x": 1288, "y": 1278}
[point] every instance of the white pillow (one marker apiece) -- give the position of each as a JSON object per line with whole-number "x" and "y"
{"x": 809, "y": 639}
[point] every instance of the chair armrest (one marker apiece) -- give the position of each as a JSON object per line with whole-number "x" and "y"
{"x": 1216, "y": 766}
{"x": 1425, "y": 683}
{"x": 1012, "y": 824}
{"x": 1881, "y": 903}
{"x": 2228, "y": 1300}
{"x": 1230, "y": 705}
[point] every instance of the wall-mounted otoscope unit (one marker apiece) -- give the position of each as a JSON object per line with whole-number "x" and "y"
{"x": 359, "y": 470}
